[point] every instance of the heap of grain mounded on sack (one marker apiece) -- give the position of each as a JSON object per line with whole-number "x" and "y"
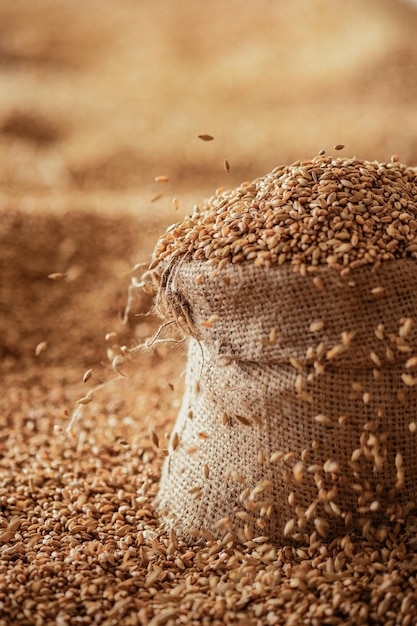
{"x": 297, "y": 292}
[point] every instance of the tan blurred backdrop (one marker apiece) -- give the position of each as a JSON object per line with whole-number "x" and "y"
{"x": 100, "y": 97}
{"x": 104, "y": 95}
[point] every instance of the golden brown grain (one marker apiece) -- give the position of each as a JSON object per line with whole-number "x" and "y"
{"x": 41, "y": 347}
{"x": 175, "y": 441}
{"x": 316, "y": 326}
{"x": 276, "y": 456}
{"x": 375, "y": 358}
{"x": 322, "y": 192}
{"x": 323, "y": 419}
{"x": 411, "y": 362}
{"x": 273, "y": 335}
{"x": 87, "y": 375}
{"x": 57, "y": 276}
{"x": 298, "y": 471}
{"x": 85, "y": 400}
{"x": 243, "y": 420}
{"x": 324, "y": 212}
{"x": 409, "y": 380}
{"x": 209, "y": 322}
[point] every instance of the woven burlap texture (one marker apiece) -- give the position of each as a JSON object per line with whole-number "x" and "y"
{"x": 234, "y": 369}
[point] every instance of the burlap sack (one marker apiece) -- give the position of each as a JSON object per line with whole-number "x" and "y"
{"x": 299, "y": 411}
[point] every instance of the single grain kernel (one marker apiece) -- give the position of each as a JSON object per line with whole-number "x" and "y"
{"x": 316, "y": 326}
{"x": 57, "y": 276}
{"x": 41, "y": 347}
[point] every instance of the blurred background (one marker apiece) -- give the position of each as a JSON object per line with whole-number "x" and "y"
{"x": 97, "y": 99}
{"x": 106, "y": 96}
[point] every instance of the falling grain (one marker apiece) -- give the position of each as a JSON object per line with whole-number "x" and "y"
{"x": 85, "y": 400}
{"x": 40, "y": 348}
{"x": 57, "y": 276}
{"x": 87, "y": 375}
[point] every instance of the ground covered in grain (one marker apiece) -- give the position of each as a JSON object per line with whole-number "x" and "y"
{"x": 96, "y": 104}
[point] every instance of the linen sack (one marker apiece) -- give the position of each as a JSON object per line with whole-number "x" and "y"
{"x": 299, "y": 412}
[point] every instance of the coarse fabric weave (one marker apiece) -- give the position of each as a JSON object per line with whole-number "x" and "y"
{"x": 299, "y": 397}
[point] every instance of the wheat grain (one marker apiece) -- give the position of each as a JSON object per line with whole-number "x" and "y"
{"x": 57, "y": 276}
{"x": 41, "y": 347}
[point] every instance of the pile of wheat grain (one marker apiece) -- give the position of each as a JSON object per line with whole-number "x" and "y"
{"x": 336, "y": 211}
{"x": 80, "y": 543}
